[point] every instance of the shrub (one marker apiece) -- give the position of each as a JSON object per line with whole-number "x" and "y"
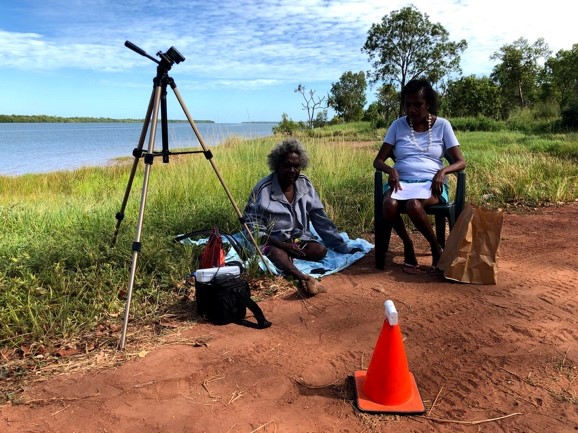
{"x": 479, "y": 123}
{"x": 570, "y": 116}
{"x": 286, "y": 126}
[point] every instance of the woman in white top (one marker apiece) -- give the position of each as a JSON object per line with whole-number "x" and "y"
{"x": 417, "y": 143}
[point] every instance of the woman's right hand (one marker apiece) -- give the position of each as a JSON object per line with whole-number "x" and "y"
{"x": 393, "y": 180}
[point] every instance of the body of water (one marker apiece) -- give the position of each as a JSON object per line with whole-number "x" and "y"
{"x": 46, "y": 147}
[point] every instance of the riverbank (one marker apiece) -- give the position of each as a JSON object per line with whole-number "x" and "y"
{"x": 60, "y": 276}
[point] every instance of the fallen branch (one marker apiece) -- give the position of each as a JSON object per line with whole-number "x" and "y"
{"x": 306, "y": 385}
{"x": 240, "y": 393}
{"x": 481, "y": 421}
{"x": 60, "y": 399}
{"x": 260, "y": 427}
{"x": 435, "y": 401}
{"x": 565, "y": 355}
{"x": 209, "y": 380}
{"x": 514, "y": 374}
{"x": 61, "y": 410}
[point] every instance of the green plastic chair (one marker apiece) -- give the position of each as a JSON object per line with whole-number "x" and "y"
{"x": 442, "y": 213}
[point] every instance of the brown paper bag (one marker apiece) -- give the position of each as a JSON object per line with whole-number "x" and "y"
{"x": 471, "y": 252}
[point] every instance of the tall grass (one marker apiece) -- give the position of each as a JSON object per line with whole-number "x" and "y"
{"x": 60, "y": 275}
{"x": 512, "y": 167}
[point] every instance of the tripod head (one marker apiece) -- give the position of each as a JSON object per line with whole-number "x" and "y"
{"x": 162, "y": 79}
{"x": 169, "y": 58}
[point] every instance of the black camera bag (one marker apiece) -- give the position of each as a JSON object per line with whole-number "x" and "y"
{"x": 225, "y": 299}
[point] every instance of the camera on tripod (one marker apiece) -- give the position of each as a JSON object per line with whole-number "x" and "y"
{"x": 171, "y": 56}
{"x": 158, "y": 101}
{"x": 167, "y": 59}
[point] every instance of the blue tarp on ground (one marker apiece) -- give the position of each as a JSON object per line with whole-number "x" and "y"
{"x": 332, "y": 263}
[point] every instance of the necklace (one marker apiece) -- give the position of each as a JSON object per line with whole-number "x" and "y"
{"x": 414, "y": 141}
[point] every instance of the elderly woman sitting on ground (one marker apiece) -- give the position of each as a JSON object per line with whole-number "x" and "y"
{"x": 280, "y": 211}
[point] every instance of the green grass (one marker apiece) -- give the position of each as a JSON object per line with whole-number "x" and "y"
{"x": 516, "y": 168}
{"x": 60, "y": 276}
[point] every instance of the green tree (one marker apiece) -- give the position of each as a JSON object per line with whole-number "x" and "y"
{"x": 562, "y": 76}
{"x": 407, "y": 45}
{"x": 388, "y": 98}
{"x": 311, "y": 104}
{"x": 519, "y": 71}
{"x": 382, "y": 111}
{"x": 320, "y": 119}
{"x": 472, "y": 96}
{"x": 374, "y": 115}
{"x": 347, "y": 96}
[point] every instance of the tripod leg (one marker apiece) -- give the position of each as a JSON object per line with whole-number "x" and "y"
{"x": 136, "y": 246}
{"x": 231, "y": 199}
{"x": 137, "y": 153}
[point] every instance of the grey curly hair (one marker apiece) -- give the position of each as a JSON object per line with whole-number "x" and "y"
{"x": 281, "y": 150}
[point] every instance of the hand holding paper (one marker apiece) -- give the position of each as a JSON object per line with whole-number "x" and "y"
{"x": 407, "y": 190}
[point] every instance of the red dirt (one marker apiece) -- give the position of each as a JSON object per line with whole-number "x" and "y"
{"x": 486, "y": 358}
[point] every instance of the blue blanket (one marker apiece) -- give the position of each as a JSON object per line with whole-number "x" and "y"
{"x": 332, "y": 263}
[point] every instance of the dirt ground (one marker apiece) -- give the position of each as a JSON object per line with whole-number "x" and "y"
{"x": 493, "y": 358}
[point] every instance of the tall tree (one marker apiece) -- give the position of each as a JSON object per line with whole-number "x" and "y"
{"x": 388, "y": 98}
{"x": 519, "y": 71}
{"x": 562, "y": 75}
{"x": 383, "y": 110}
{"x": 472, "y": 96}
{"x": 407, "y": 45}
{"x": 347, "y": 96}
{"x": 311, "y": 103}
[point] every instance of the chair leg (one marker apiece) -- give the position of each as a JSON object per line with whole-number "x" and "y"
{"x": 379, "y": 254}
{"x": 382, "y": 237}
{"x": 440, "y": 222}
{"x": 452, "y": 218}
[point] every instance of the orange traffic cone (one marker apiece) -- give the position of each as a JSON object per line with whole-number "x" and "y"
{"x": 387, "y": 386}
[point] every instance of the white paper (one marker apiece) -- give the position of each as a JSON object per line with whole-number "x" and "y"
{"x": 412, "y": 190}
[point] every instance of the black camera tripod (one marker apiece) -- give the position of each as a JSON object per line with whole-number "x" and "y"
{"x": 158, "y": 100}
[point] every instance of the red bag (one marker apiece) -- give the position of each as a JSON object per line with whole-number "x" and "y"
{"x": 213, "y": 255}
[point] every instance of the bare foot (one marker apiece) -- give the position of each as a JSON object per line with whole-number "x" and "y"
{"x": 311, "y": 286}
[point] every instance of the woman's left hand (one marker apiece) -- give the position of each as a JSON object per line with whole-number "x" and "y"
{"x": 295, "y": 249}
{"x": 437, "y": 183}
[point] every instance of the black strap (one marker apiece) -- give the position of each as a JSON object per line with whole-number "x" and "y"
{"x": 203, "y": 232}
{"x": 241, "y": 252}
{"x": 255, "y": 309}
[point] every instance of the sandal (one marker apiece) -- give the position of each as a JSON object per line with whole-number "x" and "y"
{"x": 434, "y": 271}
{"x": 411, "y": 269}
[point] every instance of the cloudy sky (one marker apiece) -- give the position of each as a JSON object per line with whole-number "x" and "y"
{"x": 244, "y": 58}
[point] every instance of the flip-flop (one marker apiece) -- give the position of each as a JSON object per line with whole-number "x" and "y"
{"x": 411, "y": 269}
{"x": 434, "y": 271}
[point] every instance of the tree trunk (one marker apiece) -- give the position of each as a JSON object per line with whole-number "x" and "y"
{"x": 521, "y": 94}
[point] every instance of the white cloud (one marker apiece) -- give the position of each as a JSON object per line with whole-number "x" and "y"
{"x": 261, "y": 39}
{"x": 249, "y": 44}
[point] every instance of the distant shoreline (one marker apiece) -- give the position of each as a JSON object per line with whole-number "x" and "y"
{"x": 41, "y": 118}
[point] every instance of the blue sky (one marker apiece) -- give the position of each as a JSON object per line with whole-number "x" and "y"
{"x": 244, "y": 58}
